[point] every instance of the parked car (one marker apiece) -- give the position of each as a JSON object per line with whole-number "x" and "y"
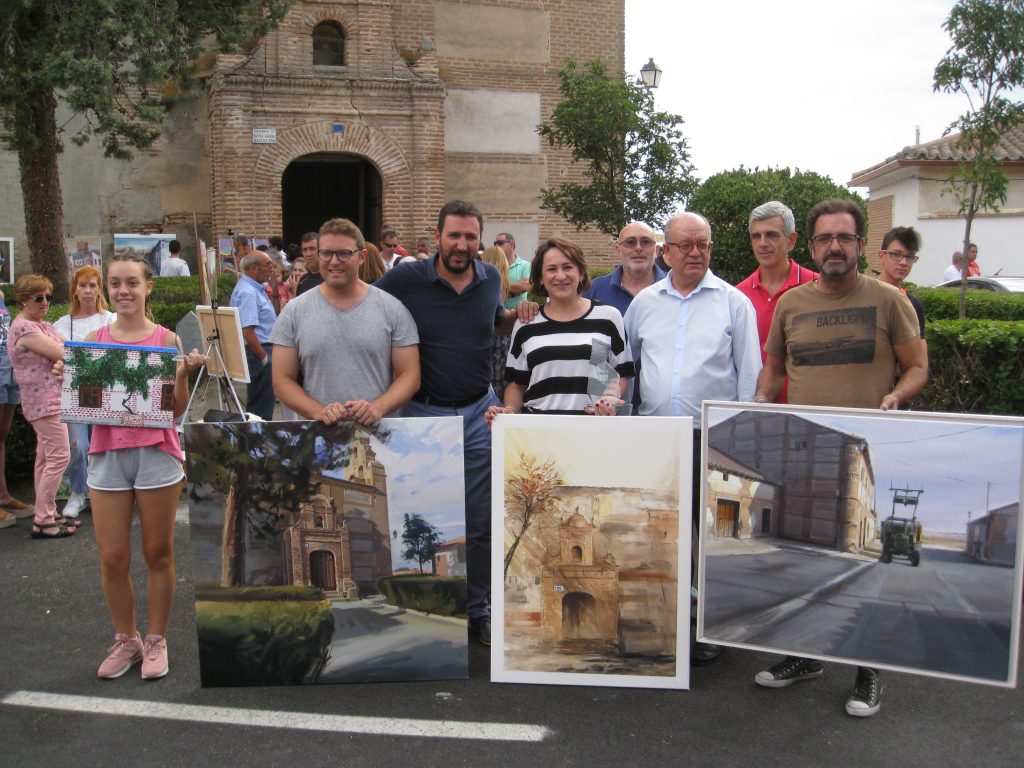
{"x": 999, "y": 283}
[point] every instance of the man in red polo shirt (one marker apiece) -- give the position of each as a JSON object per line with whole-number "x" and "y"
{"x": 772, "y": 236}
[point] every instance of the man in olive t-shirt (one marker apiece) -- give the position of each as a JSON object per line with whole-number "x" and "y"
{"x": 839, "y": 340}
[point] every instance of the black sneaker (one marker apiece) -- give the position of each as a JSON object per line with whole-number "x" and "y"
{"x": 866, "y": 698}
{"x": 788, "y": 671}
{"x": 482, "y": 627}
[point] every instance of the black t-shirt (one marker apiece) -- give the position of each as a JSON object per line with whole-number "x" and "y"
{"x": 307, "y": 281}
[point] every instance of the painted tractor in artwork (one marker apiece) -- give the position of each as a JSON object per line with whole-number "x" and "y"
{"x": 901, "y": 536}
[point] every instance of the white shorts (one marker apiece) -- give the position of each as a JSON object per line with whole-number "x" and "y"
{"x": 130, "y": 469}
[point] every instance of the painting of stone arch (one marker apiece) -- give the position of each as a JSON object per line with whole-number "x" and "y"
{"x": 328, "y": 553}
{"x": 588, "y": 569}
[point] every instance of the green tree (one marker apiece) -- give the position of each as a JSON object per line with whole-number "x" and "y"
{"x": 266, "y": 471}
{"x": 636, "y": 163}
{"x": 421, "y": 540}
{"x": 727, "y": 198}
{"x": 985, "y": 63}
{"x": 119, "y": 65}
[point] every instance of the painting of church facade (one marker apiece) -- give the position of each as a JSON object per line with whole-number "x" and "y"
{"x": 313, "y": 551}
{"x": 588, "y": 569}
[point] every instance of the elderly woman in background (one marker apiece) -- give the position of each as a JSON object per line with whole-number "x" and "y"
{"x": 499, "y": 344}
{"x": 34, "y": 346}
{"x": 89, "y": 311}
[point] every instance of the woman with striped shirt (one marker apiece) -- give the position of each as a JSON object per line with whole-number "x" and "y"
{"x": 552, "y": 360}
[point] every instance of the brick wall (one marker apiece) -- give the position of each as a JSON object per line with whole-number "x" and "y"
{"x": 879, "y": 222}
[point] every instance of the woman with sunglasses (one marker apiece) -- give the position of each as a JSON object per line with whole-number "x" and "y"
{"x": 88, "y": 313}
{"x": 34, "y": 346}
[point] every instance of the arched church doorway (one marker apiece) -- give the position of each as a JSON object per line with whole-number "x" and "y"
{"x": 321, "y": 570}
{"x": 579, "y": 616}
{"x": 321, "y": 186}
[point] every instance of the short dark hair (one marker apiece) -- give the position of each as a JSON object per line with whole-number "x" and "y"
{"x": 277, "y": 242}
{"x": 309, "y": 236}
{"x": 905, "y": 236}
{"x": 505, "y": 236}
{"x": 174, "y": 246}
{"x": 572, "y": 252}
{"x": 837, "y": 205}
{"x": 459, "y": 208}
{"x": 388, "y": 232}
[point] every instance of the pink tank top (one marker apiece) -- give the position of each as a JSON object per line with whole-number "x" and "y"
{"x": 108, "y": 438}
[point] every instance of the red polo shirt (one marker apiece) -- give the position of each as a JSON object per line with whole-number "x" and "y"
{"x": 764, "y": 303}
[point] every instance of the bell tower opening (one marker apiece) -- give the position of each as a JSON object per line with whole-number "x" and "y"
{"x": 325, "y": 185}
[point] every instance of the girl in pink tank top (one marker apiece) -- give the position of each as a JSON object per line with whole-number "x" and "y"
{"x": 137, "y": 468}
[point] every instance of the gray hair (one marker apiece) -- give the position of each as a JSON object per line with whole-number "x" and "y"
{"x": 252, "y": 259}
{"x": 772, "y": 209}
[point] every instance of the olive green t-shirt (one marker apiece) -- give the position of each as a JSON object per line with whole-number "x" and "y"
{"x": 839, "y": 347}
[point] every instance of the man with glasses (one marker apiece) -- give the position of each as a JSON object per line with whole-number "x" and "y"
{"x": 772, "y": 230}
{"x": 391, "y": 251}
{"x": 256, "y": 315}
{"x": 518, "y": 270}
{"x": 839, "y": 340}
{"x": 636, "y": 269}
{"x": 347, "y": 320}
{"x": 897, "y": 257}
{"x": 694, "y": 338}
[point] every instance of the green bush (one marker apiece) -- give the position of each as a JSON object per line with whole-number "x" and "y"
{"x": 944, "y": 304}
{"x": 20, "y": 451}
{"x": 440, "y": 595}
{"x": 262, "y": 635}
{"x": 975, "y": 367}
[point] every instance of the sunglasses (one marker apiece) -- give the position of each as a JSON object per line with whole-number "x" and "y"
{"x": 48, "y": 298}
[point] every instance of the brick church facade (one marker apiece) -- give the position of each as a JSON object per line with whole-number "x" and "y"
{"x": 377, "y": 110}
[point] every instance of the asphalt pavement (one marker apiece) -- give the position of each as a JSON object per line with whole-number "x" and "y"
{"x": 55, "y": 712}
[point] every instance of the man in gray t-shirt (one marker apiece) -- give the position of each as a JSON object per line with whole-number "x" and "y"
{"x": 355, "y": 346}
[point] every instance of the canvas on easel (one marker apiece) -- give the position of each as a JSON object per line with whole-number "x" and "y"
{"x": 123, "y": 385}
{"x": 221, "y": 325}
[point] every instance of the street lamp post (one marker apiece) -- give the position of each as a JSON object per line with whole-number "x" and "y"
{"x": 650, "y": 74}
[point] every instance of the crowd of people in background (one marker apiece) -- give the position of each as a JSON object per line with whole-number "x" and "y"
{"x": 337, "y": 327}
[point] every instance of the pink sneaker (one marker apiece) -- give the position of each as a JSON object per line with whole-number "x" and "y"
{"x": 125, "y": 652}
{"x": 154, "y": 660}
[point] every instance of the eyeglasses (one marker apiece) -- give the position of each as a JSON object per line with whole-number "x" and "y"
{"x": 687, "y": 245}
{"x": 47, "y": 297}
{"x": 386, "y": 245}
{"x": 630, "y": 242}
{"x": 910, "y": 258}
{"x": 844, "y": 238}
{"x": 341, "y": 256}
{"x": 501, "y": 242}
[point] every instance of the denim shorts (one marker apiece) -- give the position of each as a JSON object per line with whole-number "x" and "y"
{"x": 9, "y": 392}
{"x": 130, "y": 469}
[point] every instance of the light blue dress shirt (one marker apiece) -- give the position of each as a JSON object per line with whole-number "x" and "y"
{"x": 703, "y": 346}
{"x": 254, "y": 307}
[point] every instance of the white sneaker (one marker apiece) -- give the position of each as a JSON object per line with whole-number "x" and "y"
{"x": 75, "y": 505}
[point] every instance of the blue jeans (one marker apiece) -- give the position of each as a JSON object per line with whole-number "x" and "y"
{"x": 476, "y": 458}
{"x": 260, "y": 397}
{"x": 78, "y": 467}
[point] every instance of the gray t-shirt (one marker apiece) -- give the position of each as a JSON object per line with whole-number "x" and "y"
{"x": 345, "y": 354}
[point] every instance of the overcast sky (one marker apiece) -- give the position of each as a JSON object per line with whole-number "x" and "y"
{"x": 825, "y": 87}
{"x": 958, "y": 465}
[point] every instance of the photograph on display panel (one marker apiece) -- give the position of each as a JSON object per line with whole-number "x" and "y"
{"x": 884, "y": 539}
{"x": 83, "y": 251}
{"x": 328, "y": 553}
{"x": 153, "y": 248}
{"x": 590, "y": 566}
{"x": 7, "y": 260}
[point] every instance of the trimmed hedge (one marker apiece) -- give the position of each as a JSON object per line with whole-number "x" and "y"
{"x": 975, "y": 367}
{"x": 440, "y": 595}
{"x": 944, "y": 304}
{"x": 263, "y": 635}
